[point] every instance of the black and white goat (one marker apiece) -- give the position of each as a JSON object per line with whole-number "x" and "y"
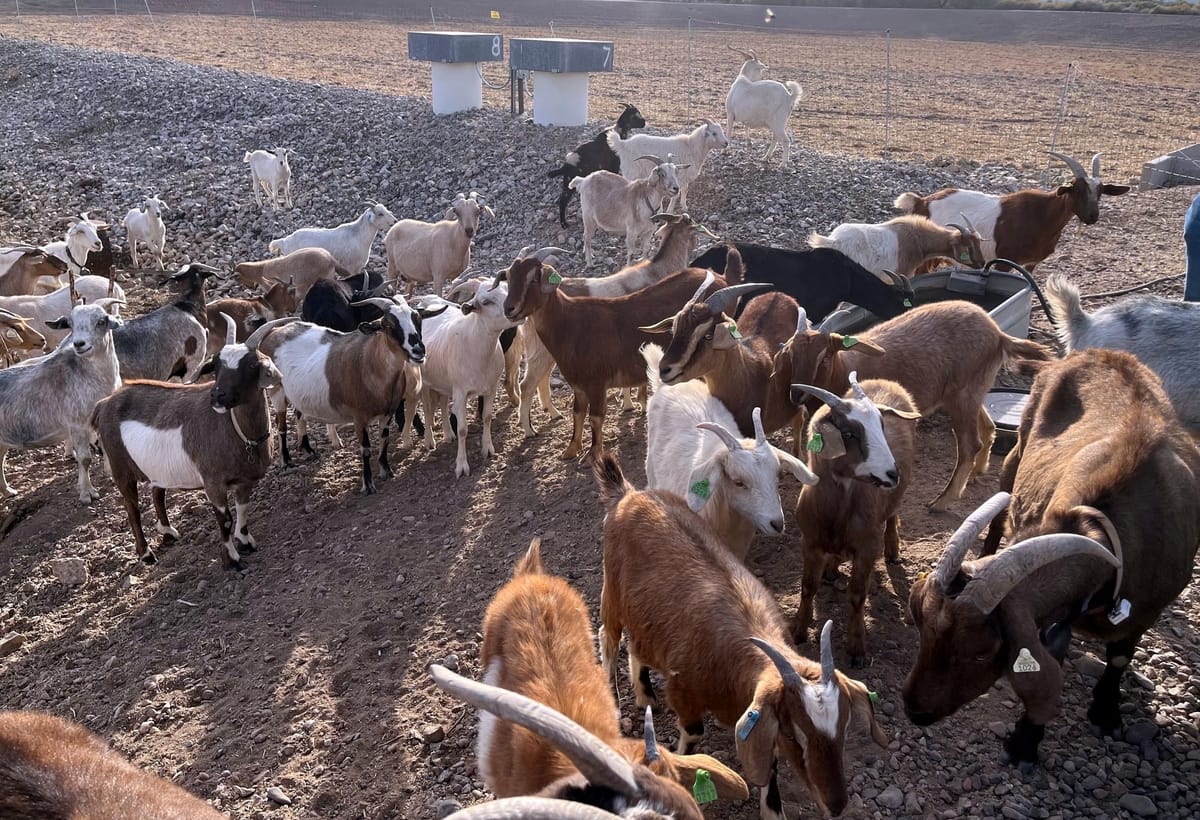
{"x": 594, "y": 155}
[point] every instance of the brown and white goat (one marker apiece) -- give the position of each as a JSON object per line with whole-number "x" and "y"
{"x": 946, "y": 355}
{"x": 301, "y": 267}
{"x": 903, "y": 244}
{"x": 595, "y": 339}
{"x": 721, "y": 641}
{"x": 53, "y": 768}
{"x": 861, "y": 448}
{"x": 17, "y": 337}
{"x": 1103, "y": 527}
{"x": 1023, "y": 226}
{"x": 537, "y": 642}
{"x": 277, "y": 300}
{"x": 21, "y": 270}
{"x": 197, "y": 436}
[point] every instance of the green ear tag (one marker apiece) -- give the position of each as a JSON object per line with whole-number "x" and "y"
{"x": 849, "y": 341}
{"x": 908, "y": 302}
{"x": 734, "y": 332}
{"x": 964, "y": 257}
{"x": 555, "y": 278}
{"x": 703, "y": 789}
{"x": 701, "y": 489}
{"x": 874, "y": 697}
{"x": 816, "y": 443}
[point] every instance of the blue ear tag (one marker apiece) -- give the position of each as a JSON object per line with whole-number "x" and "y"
{"x": 701, "y": 489}
{"x": 748, "y": 726}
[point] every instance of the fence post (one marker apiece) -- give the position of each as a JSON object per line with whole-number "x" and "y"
{"x": 1062, "y": 115}
{"x": 887, "y": 93}
{"x": 76, "y": 9}
{"x": 148, "y": 12}
{"x": 18, "y": 10}
{"x": 689, "y": 72}
{"x": 432, "y": 19}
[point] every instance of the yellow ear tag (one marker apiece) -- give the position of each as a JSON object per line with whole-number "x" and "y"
{"x": 703, "y": 789}
{"x": 921, "y": 576}
{"x": 734, "y": 332}
{"x": 554, "y": 278}
{"x": 816, "y": 443}
{"x": 701, "y": 489}
{"x": 849, "y": 341}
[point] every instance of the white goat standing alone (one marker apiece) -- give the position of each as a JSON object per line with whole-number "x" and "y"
{"x": 621, "y": 206}
{"x": 759, "y": 103}
{"x": 271, "y": 172}
{"x": 637, "y": 154}
{"x": 435, "y": 252}
{"x": 349, "y": 243}
{"x": 144, "y": 224}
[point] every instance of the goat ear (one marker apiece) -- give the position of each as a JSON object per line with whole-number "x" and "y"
{"x": 726, "y": 336}
{"x": 826, "y": 440}
{"x": 142, "y": 207}
{"x": 61, "y": 323}
{"x": 370, "y": 327}
{"x": 209, "y": 366}
{"x": 755, "y": 735}
{"x": 268, "y": 376}
{"x": 900, "y": 414}
{"x": 729, "y": 783}
{"x": 451, "y": 213}
{"x": 839, "y": 342}
{"x": 793, "y": 465}
{"x": 1064, "y": 190}
{"x": 1114, "y": 190}
{"x": 863, "y": 708}
{"x": 702, "y": 483}
{"x": 114, "y": 322}
{"x": 663, "y": 326}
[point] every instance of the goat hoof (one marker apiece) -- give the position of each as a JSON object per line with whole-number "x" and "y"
{"x": 236, "y": 566}
{"x": 858, "y": 661}
{"x": 246, "y": 547}
{"x": 1107, "y": 720}
{"x": 149, "y": 558}
{"x": 891, "y": 559}
{"x": 368, "y": 490}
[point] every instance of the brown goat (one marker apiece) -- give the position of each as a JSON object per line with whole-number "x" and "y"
{"x": 595, "y": 339}
{"x": 17, "y": 336}
{"x": 278, "y": 301}
{"x": 945, "y": 354}
{"x": 693, "y": 611}
{"x": 1103, "y": 476}
{"x": 537, "y": 641}
{"x": 301, "y": 268}
{"x": 852, "y": 512}
{"x": 52, "y": 768}
{"x": 22, "y": 275}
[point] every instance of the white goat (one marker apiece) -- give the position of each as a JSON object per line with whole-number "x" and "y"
{"x": 691, "y": 148}
{"x": 435, "y": 252}
{"x": 463, "y": 359}
{"x": 349, "y": 243}
{"x": 759, "y": 103}
{"x": 903, "y": 244}
{"x": 621, "y": 206}
{"x": 80, "y": 240}
{"x": 270, "y": 172}
{"x": 144, "y": 224}
{"x": 733, "y": 483}
{"x": 45, "y": 308}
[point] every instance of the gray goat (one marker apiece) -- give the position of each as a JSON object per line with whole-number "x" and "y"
{"x": 169, "y": 340}
{"x": 1160, "y": 332}
{"x": 50, "y": 399}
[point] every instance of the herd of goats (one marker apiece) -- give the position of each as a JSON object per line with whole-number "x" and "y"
{"x": 1098, "y": 496}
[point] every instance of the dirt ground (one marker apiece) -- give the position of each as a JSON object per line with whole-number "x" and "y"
{"x": 308, "y": 670}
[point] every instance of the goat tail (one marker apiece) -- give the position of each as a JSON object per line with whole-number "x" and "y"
{"x": 794, "y": 91}
{"x": 1066, "y": 307}
{"x": 574, "y": 183}
{"x": 907, "y": 202}
{"x": 610, "y": 481}
{"x": 1029, "y": 354}
{"x": 653, "y": 354}
{"x": 818, "y": 241}
{"x": 531, "y": 561}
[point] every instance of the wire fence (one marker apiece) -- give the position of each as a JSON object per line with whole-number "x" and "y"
{"x": 935, "y": 102}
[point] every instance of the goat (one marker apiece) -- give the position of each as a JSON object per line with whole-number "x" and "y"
{"x": 144, "y": 224}
{"x": 53, "y": 768}
{"x": 733, "y": 483}
{"x": 277, "y": 301}
{"x": 621, "y": 206}
{"x": 721, "y": 641}
{"x": 302, "y": 268}
{"x": 348, "y": 377}
{"x": 861, "y": 448}
{"x": 22, "y": 268}
{"x": 463, "y": 359}
{"x": 537, "y": 652}
{"x": 80, "y": 240}
{"x": 594, "y": 155}
{"x": 1158, "y": 331}
{"x": 188, "y": 437}
{"x": 1103, "y": 478}
{"x": 817, "y": 278}
{"x": 1023, "y": 226}
{"x": 339, "y": 304}
{"x": 170, "y": 340}
{"x": 435, "y": 252}
{"x": 903, "y": 244}
{"x": 47, "y": 400}
{"x": 569, "y": 327}
{"x": 271, "y": 172}
{"x": 45, "y": 308}
{"x": 690, "y": 149}
{"x": 348, "y": 243}
{"x": 514, "y": 341}
{"x": 17, "y": 336}
{"x": 759, "y": 103}
{"x": 945, "y": 354}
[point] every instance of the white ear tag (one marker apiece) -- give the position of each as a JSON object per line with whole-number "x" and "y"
{"x": 1026, "y": 662}
{"x": 1119, "y": 612}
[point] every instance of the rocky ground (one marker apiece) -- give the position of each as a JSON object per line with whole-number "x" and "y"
{"x": 307, "y": 672}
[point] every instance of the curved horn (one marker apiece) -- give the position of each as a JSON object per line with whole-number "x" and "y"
{"x": 965, "y": 536}
{"x": 957, "y": 227}
{"x": 525, "y": 251}
{"x": 652, "y": 158}
{"x": 834, "y": 402}
{"x": 230, "y": 329}
{"x": 531, "y": 808}
{"x": 802, "y": 320}
{"x": 725, "y": 300}
{"x": 1071, "y": 163}
{"x": 595, "y": 760}
{"x": 255, "y": 338}
{"x": 651, "y": 738}
{"x": 987, "y": 589}
{"x": 1096, "y": 164}
{"x": 378, "y": 301}
{"x": 967, "y": 222}
{"x": 859, "y": 393}
{"x": 827, "y": 668}
{"x": 729, "y": 439}
{"x": 786, "y": 670}
{"x": 760, "y": 435}
{"x": 709, "y": 278}
{"x": 542, "y": 254}
{"x": 107, "y": 302}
